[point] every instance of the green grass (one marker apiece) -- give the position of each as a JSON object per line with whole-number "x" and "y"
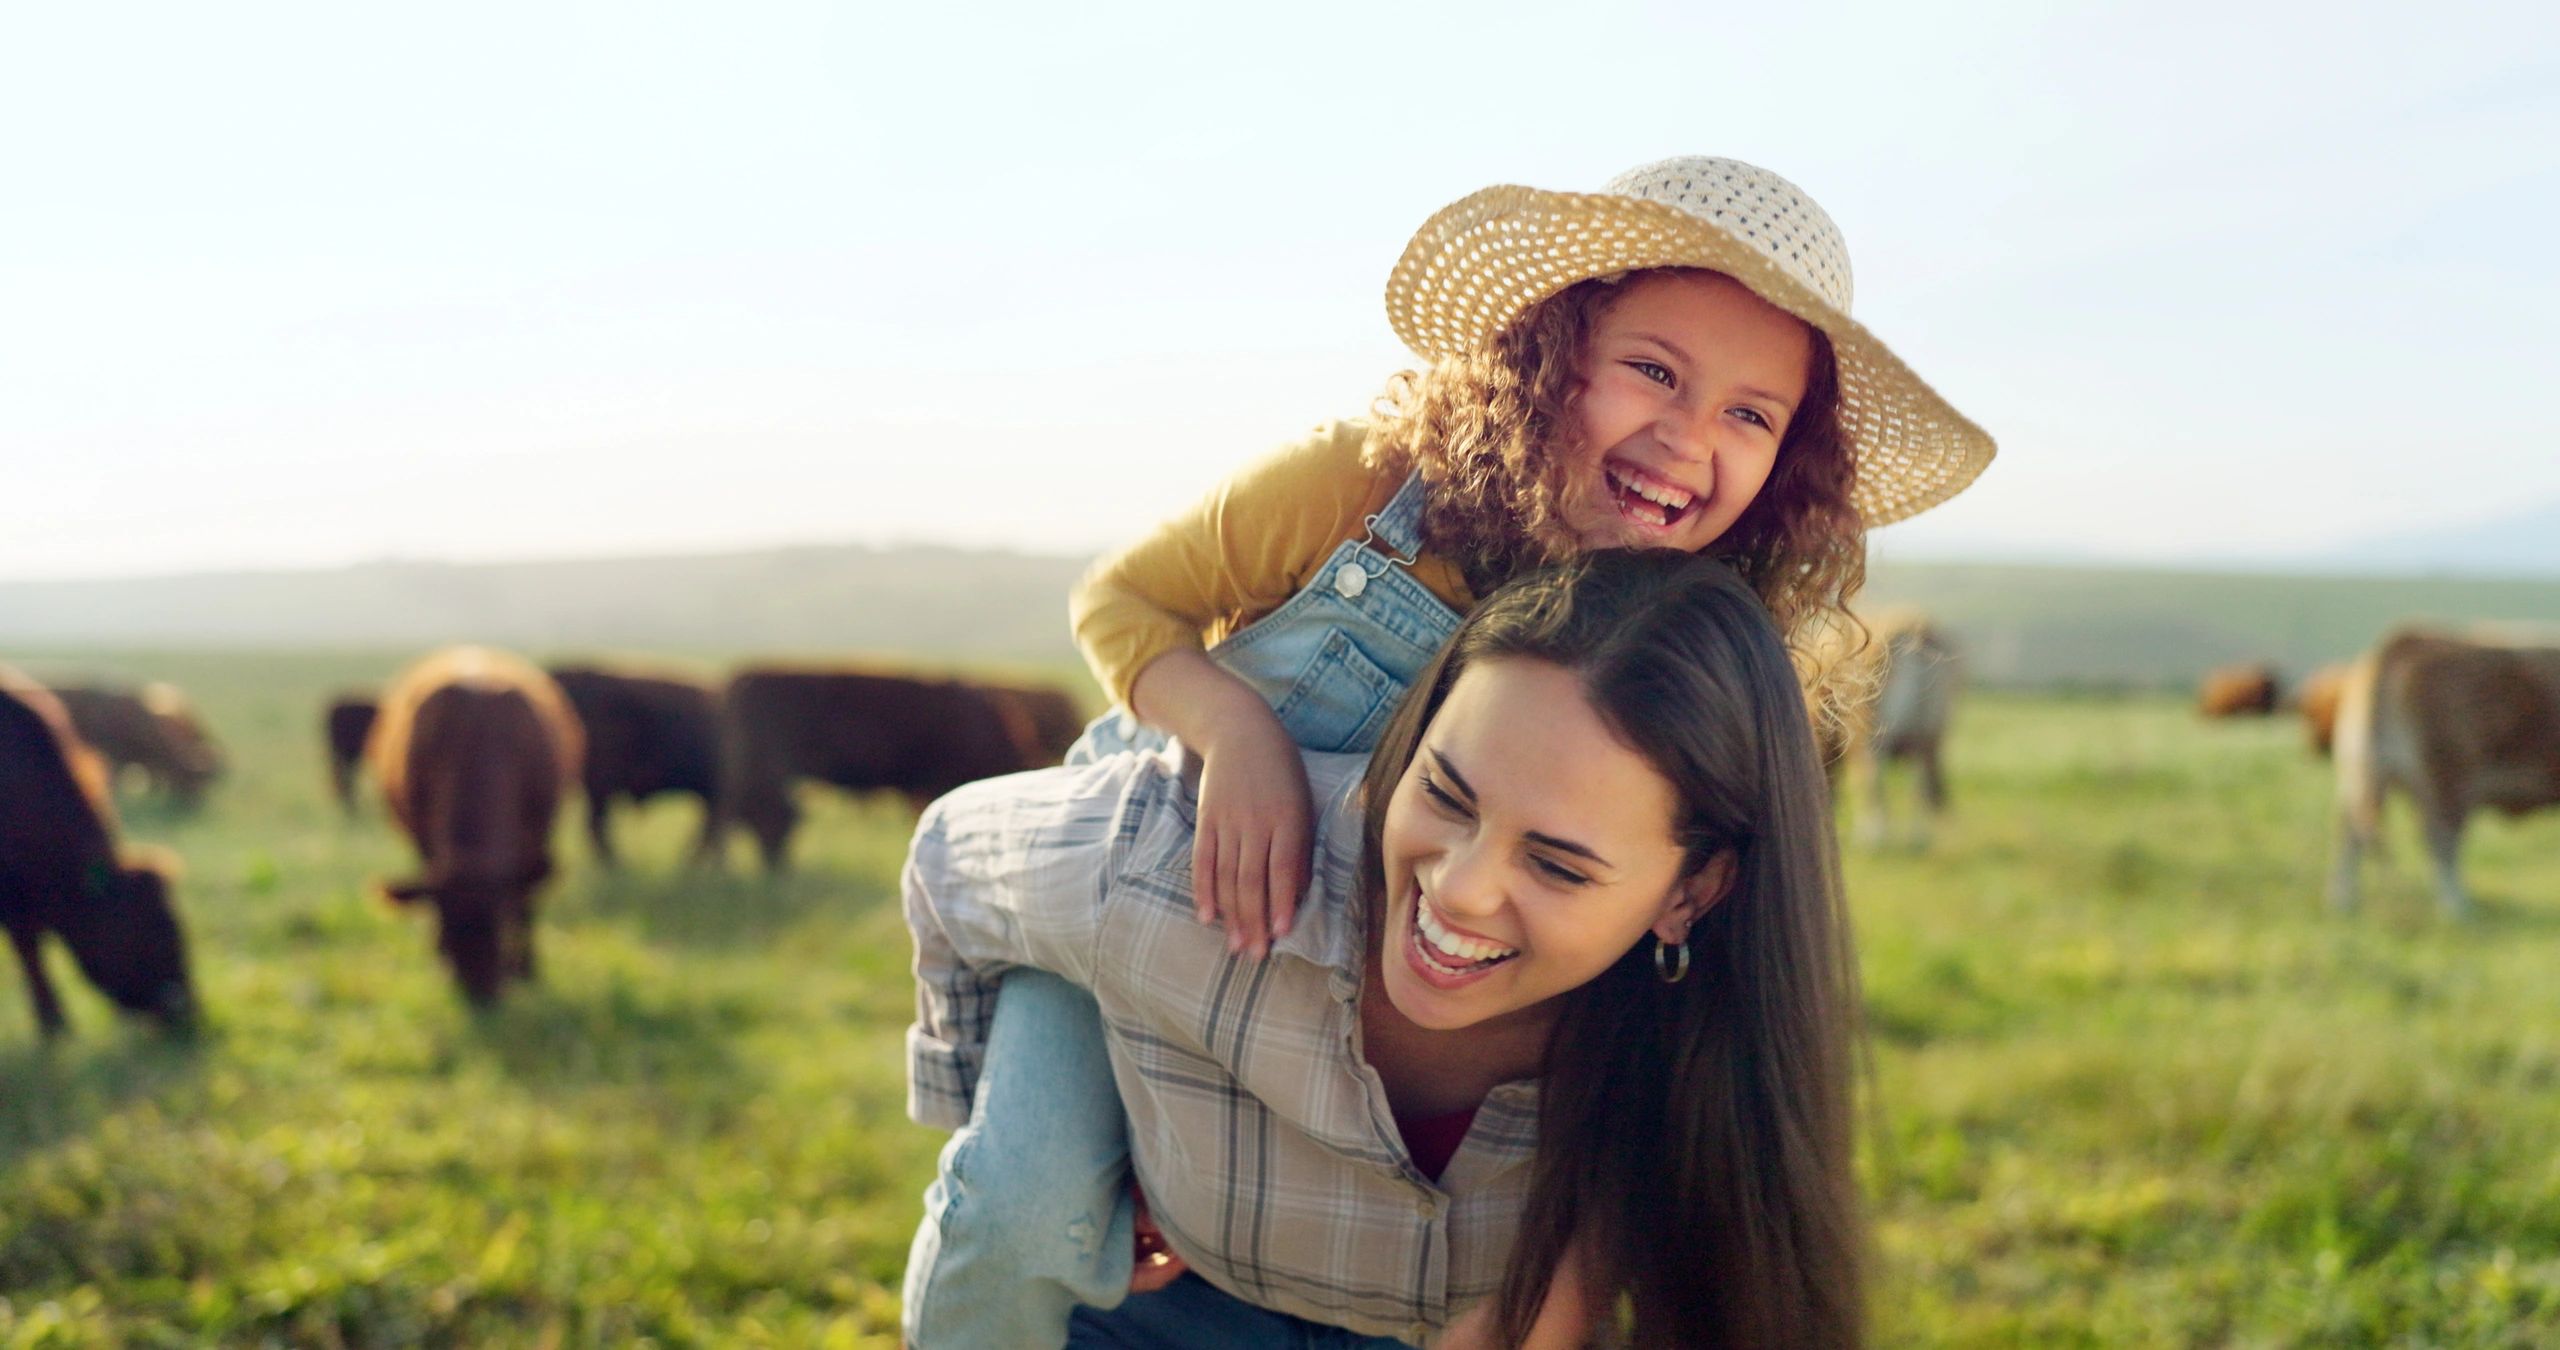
{"x": 2133, "y": 1085}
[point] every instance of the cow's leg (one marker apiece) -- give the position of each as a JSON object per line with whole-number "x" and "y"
{"x": 1874, "y": 827}
{"x": 2444, "y": 848}
{"x": 2345, "y": 861}
{"x": 706, "y": 845}
{"x": 519, "y": 919}
{"x": 1933, "y": 793}
{"x": 771, "y": 818}
{"x": 29, "y": 940}
{"x": 599, "y": 807}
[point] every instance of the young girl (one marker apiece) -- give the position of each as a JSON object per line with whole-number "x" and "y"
{"x": 1583, "y": 896}
{"x": 1668, "y": 363}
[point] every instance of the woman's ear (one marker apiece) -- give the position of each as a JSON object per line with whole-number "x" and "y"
{"x": 1695, "y": 895}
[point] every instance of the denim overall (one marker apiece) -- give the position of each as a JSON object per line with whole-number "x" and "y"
{"x": 1030, "y": 1216}
{"x": 1334, "y": 659}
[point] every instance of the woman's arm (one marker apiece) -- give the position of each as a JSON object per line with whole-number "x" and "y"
{"x": 1002, "y": 874}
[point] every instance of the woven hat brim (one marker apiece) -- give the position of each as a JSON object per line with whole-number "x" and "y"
{"x": 1484, "y": 258}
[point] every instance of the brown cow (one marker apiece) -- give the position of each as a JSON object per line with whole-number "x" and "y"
{"x": 2238, "y": 691}
{"x": 1046, "y": 722}
{"x": 2456, "y": 723}
{"x": 473, "y": 749}
{"x": 60, "y": 872}
{"x": 2319, "y": 699}
{"x": 343, "y": 728}
{"x": 646, "y": 734}
{"x": 859, "y": 730}
{"x": 155, "y": 730}
{"x": 1904, "y": 680}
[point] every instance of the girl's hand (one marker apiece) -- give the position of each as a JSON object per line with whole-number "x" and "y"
{"x": 1249, "y": 861}
{"x": 1254, "y": 837}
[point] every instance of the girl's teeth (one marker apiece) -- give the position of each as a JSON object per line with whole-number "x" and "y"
{"x": 1669, "y": 498}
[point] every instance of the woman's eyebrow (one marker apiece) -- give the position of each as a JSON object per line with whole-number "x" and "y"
{"x": 1459, "y": 781}
{"x": 1567, "y": 846}
{"x": 1456, "y": 779}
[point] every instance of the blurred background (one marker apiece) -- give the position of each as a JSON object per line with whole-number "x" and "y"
{"x": 330, "y": 333}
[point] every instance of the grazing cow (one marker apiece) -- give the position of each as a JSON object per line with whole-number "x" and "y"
{"x": 473, "y": 750}
{"x": 155, "y": 730}
{"x": 2457, "y": 723}
{"x": 1908, "y": 674}
{"x": 1045, "y": 721}
{"x": 60, "y": 872}
{"x": 343, "y": 728}
{"x": 2319, "y": 699}
{"x": 2238, "y": 691}
{"x": 646, "y": 734}
{"x": 859, "y": 730}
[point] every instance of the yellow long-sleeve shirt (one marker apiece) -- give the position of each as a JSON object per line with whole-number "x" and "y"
{"x": 1239, "y": 554}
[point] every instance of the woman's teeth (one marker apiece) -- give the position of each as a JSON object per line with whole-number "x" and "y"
{"x": 1465, "y": 952}
{"x": 1659, "y": 504}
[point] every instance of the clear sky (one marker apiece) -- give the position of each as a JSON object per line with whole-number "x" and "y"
{"x": 287, "y": 285}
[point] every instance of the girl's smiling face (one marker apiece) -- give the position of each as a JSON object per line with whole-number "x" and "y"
{"x": 1689, "y": 383}
{"x": 1526, "y": 849}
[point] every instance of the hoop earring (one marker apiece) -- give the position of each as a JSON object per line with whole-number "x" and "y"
{"x": 1672, "y": 968}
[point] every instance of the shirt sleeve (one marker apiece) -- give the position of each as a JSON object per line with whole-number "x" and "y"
{"x": 1004, "y": 873}
{"x": 1238, "y": 554}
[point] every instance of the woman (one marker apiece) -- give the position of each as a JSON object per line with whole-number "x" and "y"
{"x": 1578, "y": 919}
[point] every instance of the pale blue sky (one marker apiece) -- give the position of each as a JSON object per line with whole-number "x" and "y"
{"x": 288, "y": 285}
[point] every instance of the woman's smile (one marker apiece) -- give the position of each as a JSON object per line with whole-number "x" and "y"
{"x": 1526, "y": 847}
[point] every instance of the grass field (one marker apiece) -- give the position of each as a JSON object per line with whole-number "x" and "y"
{"x": 2132, "y": 1085}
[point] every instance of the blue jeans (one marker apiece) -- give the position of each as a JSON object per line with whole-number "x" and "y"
{"x": 1032, "y": 1218}
{"x": 1006, "y": 1250}
{"x": 1192, "y": 1313}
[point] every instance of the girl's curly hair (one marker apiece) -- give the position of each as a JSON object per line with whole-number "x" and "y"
{"x": 1490, "y": 431}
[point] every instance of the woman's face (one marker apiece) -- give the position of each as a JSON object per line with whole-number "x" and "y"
{"x": 1525, "y": 850}
{"x": 1689, "y": 383}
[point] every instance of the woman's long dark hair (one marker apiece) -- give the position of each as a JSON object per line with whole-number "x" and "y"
{"x": 1694, "y": 1139}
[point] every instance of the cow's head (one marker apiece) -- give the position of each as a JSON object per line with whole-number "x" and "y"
{"x": 130, "y": 945}
{"x": 195, "y": 759}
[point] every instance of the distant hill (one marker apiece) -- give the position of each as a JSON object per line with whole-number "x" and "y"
{"x": 2524, "y": 544}
{"x": 2022, "y": 624}
{"x": 2031, "y": 625}
{"x": 950, "y": 602}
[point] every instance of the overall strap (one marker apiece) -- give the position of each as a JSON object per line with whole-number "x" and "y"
{"x": 1399, "y": 524}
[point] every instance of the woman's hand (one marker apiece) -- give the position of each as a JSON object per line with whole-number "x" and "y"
{"x": 1249, "y": 860}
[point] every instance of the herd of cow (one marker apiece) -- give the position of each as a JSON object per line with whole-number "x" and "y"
{"x": 2456, "y": 721}
{"x": 473, "y": 751}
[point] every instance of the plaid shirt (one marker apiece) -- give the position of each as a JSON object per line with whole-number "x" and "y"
{"x": 1262, "y": 1137}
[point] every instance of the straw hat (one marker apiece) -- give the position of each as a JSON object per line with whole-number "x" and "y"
{"x": 1472, "y": 268}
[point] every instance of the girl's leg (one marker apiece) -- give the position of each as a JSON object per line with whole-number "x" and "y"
{"x": 1030, "y": 1215}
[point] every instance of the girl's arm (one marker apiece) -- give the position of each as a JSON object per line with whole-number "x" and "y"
{"x": 1142, "y": 616}
{"x": 1249, "y": 860}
